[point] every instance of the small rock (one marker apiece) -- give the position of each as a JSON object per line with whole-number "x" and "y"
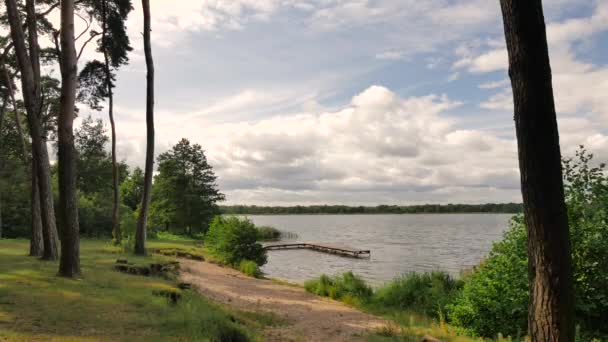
{"x": 428, "y": 338}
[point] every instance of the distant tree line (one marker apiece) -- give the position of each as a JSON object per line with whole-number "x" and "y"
{"x": 507, "y": 208}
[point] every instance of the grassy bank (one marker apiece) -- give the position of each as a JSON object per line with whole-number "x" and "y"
{"x": 105, "y": 305}
{"x": 414, "y": 302}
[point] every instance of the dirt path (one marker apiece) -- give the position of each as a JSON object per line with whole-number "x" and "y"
{"x": 311, "y": 318}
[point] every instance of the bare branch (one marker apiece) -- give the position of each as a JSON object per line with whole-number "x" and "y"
{"x": 93, "y": 35}
{"x": 49, "y": 10}
{"x": 7, "y": 49}
{"x": 86, "y": 29}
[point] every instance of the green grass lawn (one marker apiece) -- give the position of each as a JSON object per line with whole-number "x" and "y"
{"x": 105, "y": 305}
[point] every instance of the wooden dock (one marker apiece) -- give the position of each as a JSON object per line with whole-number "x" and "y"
{"x": 331, "y": 249}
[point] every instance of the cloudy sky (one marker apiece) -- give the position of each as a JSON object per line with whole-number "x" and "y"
{"x": 356, "y": 101}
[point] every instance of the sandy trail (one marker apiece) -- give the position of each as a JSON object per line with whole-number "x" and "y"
{"x": 311, "y": 318}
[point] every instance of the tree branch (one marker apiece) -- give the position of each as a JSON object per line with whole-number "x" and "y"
{"x": 86, "y": 29}
{"x": 93, "y": 35}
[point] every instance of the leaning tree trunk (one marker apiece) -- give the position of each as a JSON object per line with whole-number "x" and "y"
{"x": 69, "y": 264}
{"x": 116, "y": 232}
{"x": 36, "y": 239}
{"x": 551, "y": 311}
{"x": 140, "y": 235}
{"x": 30, "y": 81}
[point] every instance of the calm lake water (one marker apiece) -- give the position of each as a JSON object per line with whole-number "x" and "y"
{"x": 398, "y": 243}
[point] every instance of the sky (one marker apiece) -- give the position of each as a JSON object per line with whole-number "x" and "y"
{"x": 358, "y": 102}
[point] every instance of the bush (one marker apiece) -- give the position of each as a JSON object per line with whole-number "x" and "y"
{"x": 346, "y": 287}
{"x": 267, "y": 233}
{"x": 250, "y": 268}
{"x": 427, "y": 293}
{"x": 233, "y": 239}
{"x": 495, "y": 297}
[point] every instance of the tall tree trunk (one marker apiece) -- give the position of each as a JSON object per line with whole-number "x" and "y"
{"x": 140, "y": 236}
{"x": 69, "y": 264}
{"x": 30, "y": 80}
{"x": 116, "y": 232}
{"x": 551, "y": 311}
{"x": 2, "y": 110}
{"x": 36, "y": 239}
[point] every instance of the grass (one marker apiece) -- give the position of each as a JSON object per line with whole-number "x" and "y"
{"x": 413, "y": 303}
{"x": 105, "y": 305}
{"x": 250, "y": 268}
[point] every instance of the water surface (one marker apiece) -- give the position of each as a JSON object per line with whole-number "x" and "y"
{"x": 398, "y": 243}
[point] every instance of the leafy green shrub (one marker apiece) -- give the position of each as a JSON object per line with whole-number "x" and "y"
{"x": 495, "y": 297}
{"x": 233, "y": 239}
{"x": 427, "y": 293}
{"x": 346, "y": 287}
{"x": 250, "y": 268}
{"x": 267, "y": 233}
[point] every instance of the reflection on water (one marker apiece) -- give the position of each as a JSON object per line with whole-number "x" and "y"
{"x": 398, "y": 243}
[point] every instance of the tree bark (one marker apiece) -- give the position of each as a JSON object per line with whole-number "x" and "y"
{"x": 551, "y": 311}
{"x": 30, "y": 80}
{"x": 140, "y": 235}
{"x": 116, "y": 232}
{"x": 69, "y": 264}
{"x": 2, "y": 110}
{"x": 36, "y": 239}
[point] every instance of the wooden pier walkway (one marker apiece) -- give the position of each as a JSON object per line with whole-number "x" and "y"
{"x": 320, "y": 247}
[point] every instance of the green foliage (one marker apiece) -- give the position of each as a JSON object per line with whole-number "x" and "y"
{"x": 250, "y": 268}
{"x": 14, "y": 182}
{"x": 131, "y": 190}
{"x": 267, "y": 233}
{"x": 346, "y": 287}
{"x": 495, "y": 296}
{"x": 233, "y": 239}
{"x": 184, "y": 194}
{"x": 94, "y": 182}
{"x": 426, "y": 293}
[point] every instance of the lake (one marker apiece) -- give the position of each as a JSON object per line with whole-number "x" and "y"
{"x": 398, "y": 243}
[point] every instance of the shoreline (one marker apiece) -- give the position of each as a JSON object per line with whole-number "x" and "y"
{"x": 307, "y": 316}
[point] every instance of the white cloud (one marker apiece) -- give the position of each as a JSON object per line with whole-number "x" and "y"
{"x": 579, "y": 87}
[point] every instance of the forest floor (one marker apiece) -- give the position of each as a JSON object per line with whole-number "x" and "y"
{"x": 309, "y": 317}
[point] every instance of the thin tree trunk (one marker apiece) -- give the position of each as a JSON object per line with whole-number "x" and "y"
{"x": 30, "y": 80}
{"x": 116, "y": 232}
{"x": 49, "y": 224}
{"x": 11, "y": 92}
{"x": 69, "y": 264}
{"x": 140, "y": 235}
{"x": 2, "y": 110}
{"x": 36, "y": 239}
{"x": 551, "y": 311}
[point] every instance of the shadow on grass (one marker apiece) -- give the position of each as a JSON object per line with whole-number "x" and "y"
{"x": 35, "y": 304}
